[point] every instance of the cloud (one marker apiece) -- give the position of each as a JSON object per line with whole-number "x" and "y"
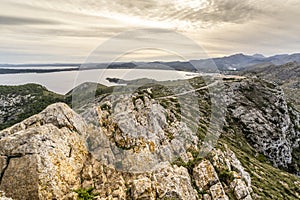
{"x": 184, "y": 14}
{"x": 181, "y": 14}
{"x": 9, "y": 20}
{"x": 62, "y": 31}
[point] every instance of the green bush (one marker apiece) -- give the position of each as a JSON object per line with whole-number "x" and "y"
{"x": 39, "y": 99}
{"x": 226, "y": 176}
{"x": 86, "y": 194}
{"x": 261, "y": 157}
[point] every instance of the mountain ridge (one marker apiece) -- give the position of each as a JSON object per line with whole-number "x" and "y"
{"x": 231, "y": 63}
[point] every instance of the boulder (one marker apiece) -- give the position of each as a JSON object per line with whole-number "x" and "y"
{"x": 205, "y": 175}
{"x": 42, "y": 156}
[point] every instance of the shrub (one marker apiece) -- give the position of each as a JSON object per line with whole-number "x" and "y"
{"x": 86, "y": 194}
{"x": 226, "y": 176}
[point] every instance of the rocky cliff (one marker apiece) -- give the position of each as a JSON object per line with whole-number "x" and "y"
{"x": 268, "y": 122}
{"x": 286, "y": 76}
{"x": 42, "y": 157}
{"x": 45, "y": 157}
{"x": 144, "y": 145}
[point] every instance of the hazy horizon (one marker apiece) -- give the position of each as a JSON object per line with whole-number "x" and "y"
{"x": 140, "y": 61}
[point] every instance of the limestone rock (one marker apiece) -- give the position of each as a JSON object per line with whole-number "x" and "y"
{"x": 108, "y": 182}
{"x": 217, "y": 192}
{"x": 207, "y": 179}
{"x": 42, "y": 156}
{"x": 267, "y": 121}
{"x": 241, "y": 183}
{"x": 45, "y": 157}
{"x": 206, "y": 197}
{"x": 174, "y": 182}
{"x": 205, "y": 175}
{"x": 226, "y": 160}
{"x": 139, "y": 131}
{"x": 240, "y": 189}
{"x": 168, "y": 182}
{"x": 142, "y": 189}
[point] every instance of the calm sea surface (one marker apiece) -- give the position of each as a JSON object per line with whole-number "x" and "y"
{"x": 62, "y": 82}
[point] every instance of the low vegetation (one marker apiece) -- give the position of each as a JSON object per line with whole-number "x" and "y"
{"x": 21, "y": 102}
{"x": 86, "y": 193}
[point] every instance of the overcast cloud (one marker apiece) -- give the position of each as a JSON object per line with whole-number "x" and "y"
{"x": 43, "y": 31}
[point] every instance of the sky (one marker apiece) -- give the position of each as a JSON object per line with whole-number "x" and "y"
{"x": 69, "y": 31}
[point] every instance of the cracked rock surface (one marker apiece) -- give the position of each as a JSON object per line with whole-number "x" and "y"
{"x": 45, "y": 157}
{"x": 42, "y": 156}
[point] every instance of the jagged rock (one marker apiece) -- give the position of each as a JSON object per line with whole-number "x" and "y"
{"x": 169, "y": 182}
{"x": 205, "y": 175}
{"x": 174, "y": 182}
{"x": 217, "y": 192}
{"x": 207, "y": 179}
{"x": 150, "y": 133}
{"x": 44, "y": 155}
{"x": 226, "y": 160}
{"x": 206, "y": 197}
{"x": 142, "y": 189}
{"x": 240, "y": 189}
{"x": 108, "y": 182}
{"x": 265, "y": 120}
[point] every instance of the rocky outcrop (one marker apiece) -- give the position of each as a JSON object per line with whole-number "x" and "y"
{"x": 45, "y": 157}
{"x": 169, "y": 182}
{"x": 174, "y": 182}
{"x": 286, "y": 75}
{"x": 42, "y": 156}
{"x": 207, "y": 180}
{"x": 222, "y": 174}
{"x": 10, "y": 105}
{"x": 232, "y": 172}
{"x": 141, "y": 134}
{"x": 269, "y": 124}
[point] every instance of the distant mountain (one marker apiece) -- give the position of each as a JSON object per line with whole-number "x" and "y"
{"x": 283, "y": 59}
{"x": 258, "y": 55}
{"x": 276, "y": 73}
{"x": 41, "y": 70}
{"x": 234, "y": 62}
{"x": 241, "y": 61}
{"x": 228, "y": 63}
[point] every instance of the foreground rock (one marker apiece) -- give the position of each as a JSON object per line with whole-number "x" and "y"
{"x": 42, "y": 156}
{"x": 170, "y": 182}
{"x": 45, "y": 157}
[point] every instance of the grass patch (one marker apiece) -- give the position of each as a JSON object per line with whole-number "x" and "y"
{"x": 86, "y": 193}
